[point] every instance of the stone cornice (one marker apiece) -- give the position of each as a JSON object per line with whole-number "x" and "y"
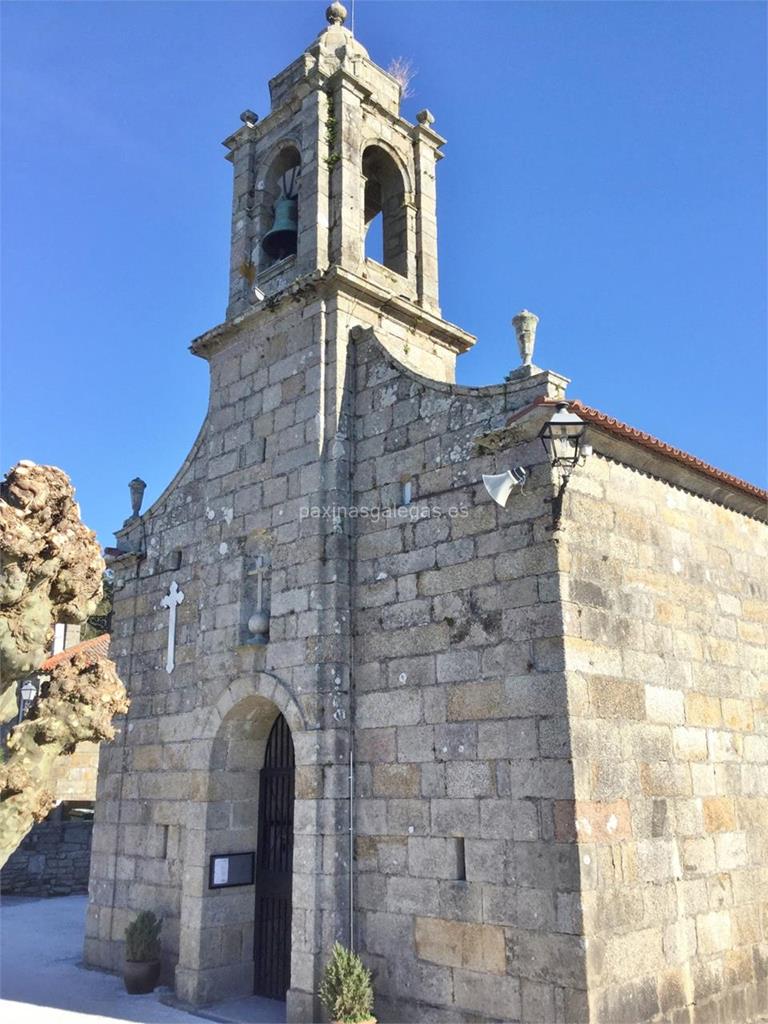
{"x": 242, "y": 136}
{"x": 400, "y": 308}
{"x": 119, "y": 558}
{"x": 217, "y": 337}
{"x": 423, "y": 133}
{"x": 342, "y": 77}
{"x": 544, "y": 381}
{"x": 317, "y": 80}
{"x": 337, "y": 279}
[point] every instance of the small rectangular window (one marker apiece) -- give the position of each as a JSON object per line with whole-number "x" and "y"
{"x": 461, "y": 861}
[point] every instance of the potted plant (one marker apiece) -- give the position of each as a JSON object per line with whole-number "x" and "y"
{"x": 142, "y": 954}
{"x": 346, "y": 991}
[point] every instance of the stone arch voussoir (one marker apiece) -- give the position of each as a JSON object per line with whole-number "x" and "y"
{"x": 261, "y": 685}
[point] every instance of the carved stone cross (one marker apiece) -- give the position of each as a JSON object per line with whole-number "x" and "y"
{"x": 172, "y": 599}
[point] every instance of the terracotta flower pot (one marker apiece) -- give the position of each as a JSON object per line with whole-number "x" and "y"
{"x": 140, "y": 978}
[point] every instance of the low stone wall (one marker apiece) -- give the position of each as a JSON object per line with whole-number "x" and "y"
{"x": 53, "y": 860}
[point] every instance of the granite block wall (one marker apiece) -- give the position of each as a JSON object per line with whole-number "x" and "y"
{"x": 665, "y": 647}
{"x": 467, "y": 906}
{"x": 557, "y": 720}
{"x": 52, "y": 860}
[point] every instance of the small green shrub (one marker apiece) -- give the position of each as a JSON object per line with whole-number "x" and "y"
{"x": 142, "y": 938}
{"x": 346, "y": 990}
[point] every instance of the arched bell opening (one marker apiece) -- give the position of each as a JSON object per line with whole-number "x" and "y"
{"x": 245, "y": 919}
{"x": 279, "y": 227}
{"x": 385, "y": 215}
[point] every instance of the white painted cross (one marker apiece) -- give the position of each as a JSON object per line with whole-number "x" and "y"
{"x": 173, "y": 598}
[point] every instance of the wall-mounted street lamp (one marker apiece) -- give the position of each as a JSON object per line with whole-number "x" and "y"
{"x": 28, "y": 694}
{"x": 562, "y": 437}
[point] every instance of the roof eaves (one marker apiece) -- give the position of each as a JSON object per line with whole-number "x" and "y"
{"x": 97, "y": 645}
{"x": 620, "y": 441}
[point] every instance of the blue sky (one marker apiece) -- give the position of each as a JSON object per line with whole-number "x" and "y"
{"x": 605, "y": 168}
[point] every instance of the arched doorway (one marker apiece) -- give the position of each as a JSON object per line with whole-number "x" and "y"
{"x": 274, "y": 866}
{"x": 217, "y": 935}
{"x": 226, "y": 951}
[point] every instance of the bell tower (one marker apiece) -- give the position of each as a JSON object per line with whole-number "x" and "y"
{"x": 332, "y": 157}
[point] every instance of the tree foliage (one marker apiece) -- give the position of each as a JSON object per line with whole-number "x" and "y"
{"x": 51, "y": 571}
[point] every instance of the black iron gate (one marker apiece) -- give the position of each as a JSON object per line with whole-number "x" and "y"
{"x": 274, "y": 862}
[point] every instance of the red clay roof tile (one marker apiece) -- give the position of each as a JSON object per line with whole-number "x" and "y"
{"x": 98, "y": 646}
{"x": 616, "y": 427}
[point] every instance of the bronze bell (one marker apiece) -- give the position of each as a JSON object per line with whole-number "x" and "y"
{"x": 280, "y": 240}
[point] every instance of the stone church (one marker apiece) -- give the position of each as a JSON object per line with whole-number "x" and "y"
{"x": 508, "y": 741}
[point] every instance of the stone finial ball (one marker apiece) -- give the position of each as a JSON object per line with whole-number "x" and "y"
{"x": 336, "y": 14}
{"x": 258, "y": 624}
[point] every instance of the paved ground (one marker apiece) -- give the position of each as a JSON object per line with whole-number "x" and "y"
{"x": 42, "y": 980}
